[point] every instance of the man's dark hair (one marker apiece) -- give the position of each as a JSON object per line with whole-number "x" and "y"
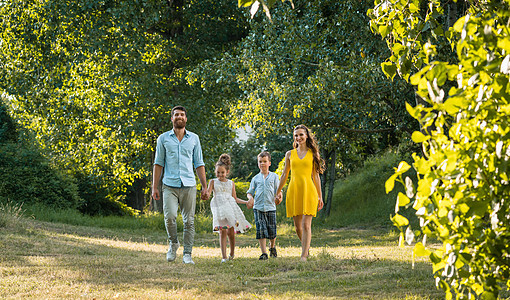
{"x": 265, "y": 154}
{"x": 178, "y": 107}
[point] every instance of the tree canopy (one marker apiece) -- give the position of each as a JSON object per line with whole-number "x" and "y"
{"x": 94, "y": 81}
{"x": 317, "y": 64}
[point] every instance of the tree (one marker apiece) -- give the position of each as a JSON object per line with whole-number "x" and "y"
{"x": 94, "y": 81}
{"x": 461, "y": 191}
{"x": 316, "y": 64}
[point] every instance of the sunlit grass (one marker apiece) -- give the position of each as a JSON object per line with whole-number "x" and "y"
{"x": 55, "y": 261}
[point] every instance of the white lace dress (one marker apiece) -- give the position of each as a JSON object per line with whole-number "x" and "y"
{"x": 226, "y": 213}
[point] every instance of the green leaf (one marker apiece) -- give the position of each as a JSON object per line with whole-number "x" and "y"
{"x": 402, "y": 167}
{"x": 402, "y": 199}
{"x": 389, "y": 69}
{"x": 245, "y": 3}
{"x": 400, "y": 221}
{"x": 452, "y": 105}
{"x": 413, "y": 8}
{"x": 412, "y": 111}
{"x": 384, "y": 30}
{"x": 420, "y": 250}
{"x": 459, "y": 25}
{"x": 419, "y": 137}
{"x": 487, "y": 295}
{"x": 504, "y": 44}
{"x": 390, "y": 183}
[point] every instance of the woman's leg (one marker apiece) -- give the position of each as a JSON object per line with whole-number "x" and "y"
{"x": 223, "y": 243}
{"x": 232, "y": 240}
{"x": 306, "y": 236}
{"x": 298, "y": 224}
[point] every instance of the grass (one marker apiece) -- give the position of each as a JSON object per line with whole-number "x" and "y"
{"x": 10, "y": 213}
{"x": 52, "y": 260}
{"x": 360, "y": 199}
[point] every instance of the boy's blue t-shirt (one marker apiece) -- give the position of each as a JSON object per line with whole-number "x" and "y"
{"x": 264, "y": 191}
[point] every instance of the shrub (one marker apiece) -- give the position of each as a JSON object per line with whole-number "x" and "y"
{"x": 26, "y": 177}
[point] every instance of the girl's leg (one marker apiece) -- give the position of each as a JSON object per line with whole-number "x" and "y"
{"x": 223, "y": 243}
{"x": 306, "y": 236}
{"x": 298, "y": 224}
{"x": 232, "y": 239}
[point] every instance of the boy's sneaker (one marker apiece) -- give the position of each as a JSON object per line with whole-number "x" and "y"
{"x": 263, "y": 256}
{"x": 172, "y": 251}
{"x": 272, "y": 252}
{"x": 187, "y": 259}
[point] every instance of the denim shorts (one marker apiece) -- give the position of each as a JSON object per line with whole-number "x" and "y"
{"x": 265, "y": 221}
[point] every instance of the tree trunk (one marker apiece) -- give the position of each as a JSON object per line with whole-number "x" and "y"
{"x": 324, "y": 176}
{"x": 332, "y": 178}
{"x": 136, "y": 196}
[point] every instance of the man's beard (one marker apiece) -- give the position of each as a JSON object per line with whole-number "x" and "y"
{"x": 179, "y": 124}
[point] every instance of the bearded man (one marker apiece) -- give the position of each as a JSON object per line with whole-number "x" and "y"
{"x": 178, "y": 153}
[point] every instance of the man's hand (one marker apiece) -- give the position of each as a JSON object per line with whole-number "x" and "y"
{"x": 204, "y": 194}
{"x": 155, "y": 194}
{"x": 250, "y": 203}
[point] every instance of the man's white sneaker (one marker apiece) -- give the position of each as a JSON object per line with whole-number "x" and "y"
{"x": 187, "y": 259}
{"x": 172, "y": 252}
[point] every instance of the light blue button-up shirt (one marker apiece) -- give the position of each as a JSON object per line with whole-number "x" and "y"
{"x": 264, "y": 191}
{"x": 178, "y": 158}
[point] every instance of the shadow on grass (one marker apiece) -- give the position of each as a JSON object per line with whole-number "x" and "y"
{"x": 138, "y": 270}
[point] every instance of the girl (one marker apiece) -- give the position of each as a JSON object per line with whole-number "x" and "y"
{"x": 228, "y": 218}
{"x": 304, "y": 195}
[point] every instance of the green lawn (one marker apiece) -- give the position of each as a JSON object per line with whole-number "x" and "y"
{"x": 55, "y": 261}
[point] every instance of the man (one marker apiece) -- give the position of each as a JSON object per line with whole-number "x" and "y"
{"x": 177, "y": 152}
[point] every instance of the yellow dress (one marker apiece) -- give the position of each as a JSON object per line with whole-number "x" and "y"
{"x": 302, "y": 197}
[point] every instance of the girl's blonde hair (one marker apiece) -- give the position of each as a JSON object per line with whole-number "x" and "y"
{"x": 311, "y": 143}
{"x": 224, "y": 161}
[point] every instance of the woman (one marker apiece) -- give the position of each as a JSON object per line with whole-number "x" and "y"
{"x": 304, "y": 194}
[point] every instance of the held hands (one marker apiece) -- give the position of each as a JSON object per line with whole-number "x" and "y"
{"x": 250, "y": 203}
{"x": 204, "y": 194}
{"x": 278, "y": 199}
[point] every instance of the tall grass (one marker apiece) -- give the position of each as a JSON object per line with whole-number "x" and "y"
{"x": 10, "y": 213}
{"x": 360, "y": 199}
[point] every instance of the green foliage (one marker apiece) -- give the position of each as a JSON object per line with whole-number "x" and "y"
{"x": 7, "y": 127}
{"x": 244, "y": 154}
{"x": 318, "y": 65}
{"x": 461, "y": 189}
{"x": 94, "y": 81}
{"x": 27, "y": 177}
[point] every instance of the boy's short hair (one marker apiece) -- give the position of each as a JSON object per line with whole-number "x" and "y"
{"x": 265, "y": 154}
{"x": 178, "y": 107}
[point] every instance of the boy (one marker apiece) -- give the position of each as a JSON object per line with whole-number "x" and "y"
{"x": 263, "y": 186}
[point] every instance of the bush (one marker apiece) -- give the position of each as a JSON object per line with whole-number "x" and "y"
{"x": 26, "y": 177}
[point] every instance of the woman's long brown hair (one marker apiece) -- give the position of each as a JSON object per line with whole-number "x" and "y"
{"x": 311, "y": 143}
